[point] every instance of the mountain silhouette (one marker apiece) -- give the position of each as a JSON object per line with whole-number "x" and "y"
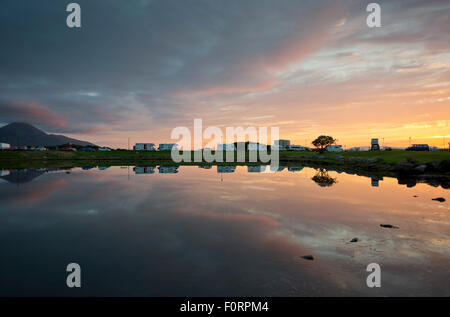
{"x": 23, "y": 134}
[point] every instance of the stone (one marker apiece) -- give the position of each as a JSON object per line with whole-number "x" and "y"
{"x": 308, "y": 257}
{"x": 389, "y": 226}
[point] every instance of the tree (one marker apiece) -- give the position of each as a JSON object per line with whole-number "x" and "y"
{"x": 322, "y": 142}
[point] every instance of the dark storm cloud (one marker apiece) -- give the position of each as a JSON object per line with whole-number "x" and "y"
{"x": 151, "y": 48}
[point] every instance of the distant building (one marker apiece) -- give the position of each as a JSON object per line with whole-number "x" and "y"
{"x": 275, "y": 168}
{"x": 335, "y": 148}
{"x": 282, "y": 145}
{"x": 104, "y": 149}
{"x": 294, "y": 147}
{"x": 4, "y": 146}
{"x": 144, "y": 147}
{"x": 374, "y": 146}
{"x": 168, "y": 147}
{"x": 144, "y": 170}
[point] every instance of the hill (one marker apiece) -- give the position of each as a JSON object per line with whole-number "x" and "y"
{"x": 23, "y": 134}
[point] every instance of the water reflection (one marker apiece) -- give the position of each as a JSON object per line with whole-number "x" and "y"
{"x": 323, "y": 179}
{"x": 144, "y": 170}
{"x": 191, "y": 235}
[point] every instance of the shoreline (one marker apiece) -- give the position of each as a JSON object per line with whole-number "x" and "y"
{"x": 405, "y": 166}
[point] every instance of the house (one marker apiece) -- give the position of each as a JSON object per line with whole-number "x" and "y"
{"x": 168, "y": 147}
{"x": 282, "y": 145}
{"x": 294, "y": 147}
{"x": 4, "y": 146}
{"x": 144, "y": 147}
{"x": 335, "y": 148}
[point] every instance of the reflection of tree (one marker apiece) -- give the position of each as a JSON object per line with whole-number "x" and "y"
{"x": 323, "y": 179}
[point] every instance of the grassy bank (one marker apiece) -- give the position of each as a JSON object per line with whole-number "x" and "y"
{"x": 382, "y": 160}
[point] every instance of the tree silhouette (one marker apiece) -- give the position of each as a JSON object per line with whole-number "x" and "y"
{"x": 322, "y": 142}
{"x": 323, "y": 179}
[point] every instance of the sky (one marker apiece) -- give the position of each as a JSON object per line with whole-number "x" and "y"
{"x": 138, "y": 69}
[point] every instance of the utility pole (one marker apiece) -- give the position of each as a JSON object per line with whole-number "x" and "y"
{"x": 128, "y": 144}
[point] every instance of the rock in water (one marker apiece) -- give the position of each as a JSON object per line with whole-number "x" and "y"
{"x": 308, "y": 257}
{"x": 439, "y": 199}
{"x": 389, "y": 226}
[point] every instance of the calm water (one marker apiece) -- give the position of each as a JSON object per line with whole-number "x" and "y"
{"x": 234, "y": 232}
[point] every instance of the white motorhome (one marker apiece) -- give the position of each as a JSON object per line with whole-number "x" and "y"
{"x": 296, "y": 148}
{"x": 168, "y": 147}
{"x": 335, "y": 148}
{"x": 4, "y": 146}
{"x": 257, "y": 147}
{"x": 144, "y": 147}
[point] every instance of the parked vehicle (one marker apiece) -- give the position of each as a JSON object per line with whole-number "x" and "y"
{"x": 4, "y": 146}
{"x": 87, "y": 149}
{"x": 67, "y": 149}
{"x": 104, "y": 149}
{"x": 418, "y": 147}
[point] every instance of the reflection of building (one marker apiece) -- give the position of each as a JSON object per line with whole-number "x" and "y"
{"x": 282, "y": 145}
{"x": 257, "y": 147}
{"x": 376, "y": 181}
{"x": 168, "y": 146}
{"x": 275, "y": 168}
{"x": 168, "y": 169}
{"x": 295, "y": 169}
{"x": 205, "y": 166}
{"x": 102, "y": 168}
{"x": 144, "y": 170}
{"x": 144, "y": 147}
{"x": 226, "y": 169}
{"x": 256, "y": 169}
{"x": 4, "y": 173}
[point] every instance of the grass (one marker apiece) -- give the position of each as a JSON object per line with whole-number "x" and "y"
{"x": 390, "y": 157}
{"x": 28, "y": 159}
